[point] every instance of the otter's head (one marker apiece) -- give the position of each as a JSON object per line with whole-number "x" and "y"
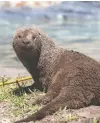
{"x": 27, "y": 40}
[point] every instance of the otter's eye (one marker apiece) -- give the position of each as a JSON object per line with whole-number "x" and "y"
{"x": 19, "y": 36}
{"x": 33, "y": 37}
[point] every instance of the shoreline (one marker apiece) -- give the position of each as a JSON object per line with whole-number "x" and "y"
{"x": 13, "y": 72}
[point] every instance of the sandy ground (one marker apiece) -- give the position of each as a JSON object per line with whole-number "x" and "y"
{"x": 89, "y": 114}
{"x": 5, "y": 116}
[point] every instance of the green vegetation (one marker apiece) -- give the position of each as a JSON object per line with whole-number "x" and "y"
{"x": 20, "y": 103}
{"x": 19, "y": 98}
{"x": 95, "y": 120}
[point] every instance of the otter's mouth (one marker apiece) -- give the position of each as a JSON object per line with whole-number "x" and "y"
{"x": 21, "y": 48}
{"x": 22, "y": 45}
{"x": 26, "y": 47}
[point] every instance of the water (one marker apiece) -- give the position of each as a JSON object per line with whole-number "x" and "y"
{"x": 70, "y": 29}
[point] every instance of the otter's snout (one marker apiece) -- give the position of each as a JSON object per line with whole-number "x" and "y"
{"x": 26, "y": 42}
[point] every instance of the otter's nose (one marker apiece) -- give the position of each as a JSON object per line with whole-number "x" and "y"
{"x": 26, "y": 42}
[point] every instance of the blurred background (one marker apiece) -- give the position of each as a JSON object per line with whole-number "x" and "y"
{"x": 74, "y": 25}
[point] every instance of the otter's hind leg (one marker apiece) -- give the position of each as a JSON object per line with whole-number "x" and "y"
{"x": 52, "y": 93}
{"x": 43, "y": 100}
{"x": 53, "y": 90}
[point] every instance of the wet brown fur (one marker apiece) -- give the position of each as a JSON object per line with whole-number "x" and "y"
{"x": 71, "y": 79}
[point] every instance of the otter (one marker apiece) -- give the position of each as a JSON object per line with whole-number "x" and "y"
{"x": 71, "y": 79}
